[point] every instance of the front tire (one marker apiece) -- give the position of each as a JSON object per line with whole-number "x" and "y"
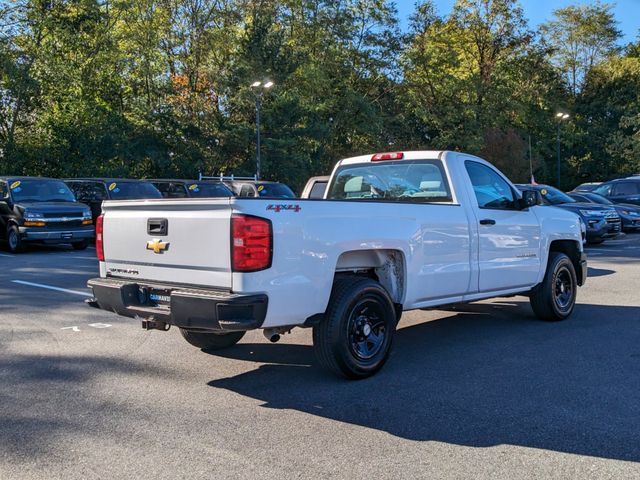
{"x": 14, "y": 242}
{"x": 211, "y": 341}
{"x": 554, "y": 299}
{"x": 80, "y": 245}
{"x": 354, "y": 339}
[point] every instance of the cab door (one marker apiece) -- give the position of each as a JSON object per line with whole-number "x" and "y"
{"x": 509, "y": 238}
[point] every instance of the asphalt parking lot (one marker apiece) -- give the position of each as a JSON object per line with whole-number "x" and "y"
{"x": 481, "y": 391}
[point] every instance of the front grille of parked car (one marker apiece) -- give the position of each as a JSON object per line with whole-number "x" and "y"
{"x": 612, "y": 217}
{"x": 62, "y": 215}
{"x": 613, "y": 220}
{"x": 68, "y": 224}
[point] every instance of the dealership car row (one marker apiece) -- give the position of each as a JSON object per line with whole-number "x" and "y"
{"x": 64, "y": 211}
{"x": 54, "y": 211}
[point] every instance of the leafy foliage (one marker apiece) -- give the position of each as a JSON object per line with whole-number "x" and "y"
{"x": 162, "y": 87}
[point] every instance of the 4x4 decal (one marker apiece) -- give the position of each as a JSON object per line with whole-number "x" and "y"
{"x": 279, "y": 207}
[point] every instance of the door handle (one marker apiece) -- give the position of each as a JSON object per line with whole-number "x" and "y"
{"x": 487, "y": 221}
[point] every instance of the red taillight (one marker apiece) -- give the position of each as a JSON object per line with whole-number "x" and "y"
{"x": 387, "y": 156}
{"x": 251, "y": 243}
{"x": 99, "y": 239}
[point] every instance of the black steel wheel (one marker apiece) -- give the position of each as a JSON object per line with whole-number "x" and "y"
{"x": 366, "y": 329}
{"x": 354, "y": 338}
{"x": 555, "y": 298}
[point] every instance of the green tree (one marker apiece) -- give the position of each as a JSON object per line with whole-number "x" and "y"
{"x": 581, "y": 36}
{"x": 478, "y": 81}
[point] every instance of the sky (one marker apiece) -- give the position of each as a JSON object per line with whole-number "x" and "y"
{"x": 627, "y": 13}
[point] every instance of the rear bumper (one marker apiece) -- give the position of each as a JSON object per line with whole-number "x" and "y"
{"x": 57, "y": 235}
{"x": 191, "y": 308}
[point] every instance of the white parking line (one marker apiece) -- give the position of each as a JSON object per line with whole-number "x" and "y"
{"x": 5, "y": 255}
{"x": 49, "y": 287}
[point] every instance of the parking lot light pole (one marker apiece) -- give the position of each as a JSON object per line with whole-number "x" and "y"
{"x": 259, "y": 88}
{"x": 560, "y": 116}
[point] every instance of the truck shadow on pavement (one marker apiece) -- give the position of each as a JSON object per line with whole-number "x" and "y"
{"x": 489, "y": 374}
{"x": 599, "y": 272}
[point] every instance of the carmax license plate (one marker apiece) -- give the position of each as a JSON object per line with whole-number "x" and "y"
{"x": 160, "y": 297}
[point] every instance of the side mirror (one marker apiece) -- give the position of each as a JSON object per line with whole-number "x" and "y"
{"x": 529, "y": 198}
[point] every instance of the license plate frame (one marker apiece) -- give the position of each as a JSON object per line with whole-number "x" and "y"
{"x": 160, "y": 296}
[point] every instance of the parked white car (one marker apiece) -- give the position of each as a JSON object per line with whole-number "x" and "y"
{"x": 397, "y": 232}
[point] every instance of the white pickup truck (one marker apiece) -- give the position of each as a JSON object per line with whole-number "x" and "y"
{"x": 395, "y": 232}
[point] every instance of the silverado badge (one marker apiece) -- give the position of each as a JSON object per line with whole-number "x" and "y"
{"x": 158, "y": 246}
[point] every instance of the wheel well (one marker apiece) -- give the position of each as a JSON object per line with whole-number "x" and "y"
{"x": 383, "y": 266}
{"x": 572, "y": 250}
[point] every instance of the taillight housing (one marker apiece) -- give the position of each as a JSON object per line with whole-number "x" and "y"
{"x": 99, "y": 238}
{"x": 387, "y": 156}
{"x": 251, "y": 243}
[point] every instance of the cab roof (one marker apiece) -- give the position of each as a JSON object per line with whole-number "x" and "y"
{"x": 182, "y": 180}
{"x": 406, "y": 155}
{"x": 8, "y": 178}
{"x": 105, "y": 179}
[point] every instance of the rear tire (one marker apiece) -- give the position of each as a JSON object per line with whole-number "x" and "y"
{"x": 14, "y": 242}
{"x": 211, "y": 341}
{"x": 354, "y": 338}
{"x": 554, "y": 299}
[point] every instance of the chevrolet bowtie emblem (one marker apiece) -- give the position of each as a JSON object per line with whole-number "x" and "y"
{"x": 158, "y": 246}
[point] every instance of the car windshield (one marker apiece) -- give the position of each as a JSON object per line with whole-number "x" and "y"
{"x": 208, "y": 190}
{"x": 132, "y": 190}
{"x": 587, "y": 187}
{"x": 277, "y": 190}
{"x": 554, "y": 196}
{"x": 37, "y": 190}
{"x": 594, "y": 197}
{"x": 406, "y": 181}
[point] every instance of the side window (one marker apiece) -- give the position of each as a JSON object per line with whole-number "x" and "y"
{"x": 79, "y": 189}
{"x": 98, "y": 192}
{"x": 491, "y": 190}
{"x": 177, "y": 191}
{"x": 625, "y": 188}
{"x": 604, "y": 190}
{"x": 164, "y": 188}
{"x": 247, "y": 191}
{"x": 4, "y": 193}
{"x": 318, "y": 189}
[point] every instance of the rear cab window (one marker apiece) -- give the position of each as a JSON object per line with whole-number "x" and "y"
{"x": 411, "y": 181}
{"x": 274, "y": 190}
{"x": 132, "y": 190}
{"x": 208, "y": 190}
{"x": 88, "y": 191}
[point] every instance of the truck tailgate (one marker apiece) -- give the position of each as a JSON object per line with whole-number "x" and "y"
{"x": 166, "y": 241}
